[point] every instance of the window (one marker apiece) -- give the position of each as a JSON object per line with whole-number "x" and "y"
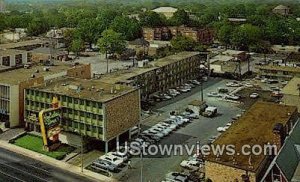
{"x": 18, "y": 59}
{"x": 88, "y": 103}
{"x": 88, "y": 127}
{"x": 81, "y": 102}
{"x": 76, "y": 101}
{"x": 100, "y": 130}
{"x": 6, "y": 61}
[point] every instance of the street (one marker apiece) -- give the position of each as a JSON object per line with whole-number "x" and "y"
{"x": 15, "y": 167}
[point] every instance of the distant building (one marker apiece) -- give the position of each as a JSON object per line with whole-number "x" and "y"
{"x": 2, "y": 6}
{"x": 13, "y": 58}
{"x": 291, "y": 93}
{"x": 263, "y": 123}
{"x": 167, "y": 11}
{"x": 281, "y": 10}
{"x": 203, "y": 35}
{"x": 237, "y": 20}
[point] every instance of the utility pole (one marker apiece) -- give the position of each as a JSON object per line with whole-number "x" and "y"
{"x": 81, "y": 152}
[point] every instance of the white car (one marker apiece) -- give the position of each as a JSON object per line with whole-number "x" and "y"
{"x": 233, "y": 84}
{"x": 213, "y": 94}
{"x": 163, "y": 131}
{"x": 249, "y": 85}
{"x": 121, "y": 155}
{"x": 196, "y": 82}
{"x": 190, "y": 164}
{"x": 221, "y": 129}
{"x": 178, "y": 120}
{"x": 254, "y": 95}
{"x": 231, "y": 97}
{"x": 156, "y": 132}
{"x": 167, "y": 125}
{"x": 113, "y": 159}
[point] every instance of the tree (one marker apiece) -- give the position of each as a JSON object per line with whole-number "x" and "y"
{"x": 130, "y": 28}
{"x": 225, "y": 34}
{"x": 111, "y": 42}
{"x": 77, "y": 45}
{"x": 69, "y": 36}
{"x": 182, "y": 43}
{"x": 37, "y": 26}
{"x": 88, "y": 32}
{"x": 245, "y": 36}
{"x": 152, "y": 19}
{"x": 180, "y": 17}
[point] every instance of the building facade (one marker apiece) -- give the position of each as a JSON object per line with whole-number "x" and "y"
{"x": 13, "y": 83}
{"x": 91, "y": 108}
{"x": 278, "y": 72}
{"x": 258, "y": 127}
{"x": 162, "y": 74}
{"x": 14, "y": 58}
{"x": 202, "y": 35}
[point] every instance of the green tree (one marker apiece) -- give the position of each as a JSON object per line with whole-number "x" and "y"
{"x": 69, "y": 36}
{"x": 111, "y": 42}
{"x": 88, "y": 32}
{"x": 77, "y": 45}
{"x": 245, "y": 36}
{"x": 37, "y": 26}
{"x": 183, "y": 43}
{"x": 225, "y": 34}
{"x": 152, "y": 19}
{"x": 180, "y": 17}
{"x": 130, "y": 28}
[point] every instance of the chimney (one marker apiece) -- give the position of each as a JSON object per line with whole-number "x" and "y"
{"x": 278, "y": 135}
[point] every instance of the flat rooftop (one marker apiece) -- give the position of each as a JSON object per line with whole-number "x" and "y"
{"x": 232, "y": 52}
{"x": 292, "y": 87}
{"x": 93, "y": 89}
{"x": 173, "y": 58}
{"x": 255, "y": 127}
{"x": 280, "y": 68}
{"x": 16, "y": 76}
{"x": 221, "y": 58}
{"x": 125, "y": 75}
{"x": 22, "y": 44}
{"x": 6, "y": 52}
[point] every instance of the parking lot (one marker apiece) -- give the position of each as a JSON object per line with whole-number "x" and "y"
{"x": 199, "y": 130}
{"x": 202, "y": 130}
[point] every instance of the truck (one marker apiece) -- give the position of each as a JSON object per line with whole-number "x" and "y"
{"x": 210, "y": 111}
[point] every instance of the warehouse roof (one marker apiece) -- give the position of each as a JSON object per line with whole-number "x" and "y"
{"x": 292, "y": 88}
{"x": 85, "y": 89}
{"x": 230, "y": 52}
{"x": 165, "y": 9}
{"x": 253, "y": 128}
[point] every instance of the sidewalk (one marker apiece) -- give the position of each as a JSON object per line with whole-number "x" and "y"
{"x": 56, "y": 163}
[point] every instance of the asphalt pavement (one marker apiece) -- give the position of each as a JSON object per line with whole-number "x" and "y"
{"x": 18, "y": 168}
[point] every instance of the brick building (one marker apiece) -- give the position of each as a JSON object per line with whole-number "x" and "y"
{"x": 202, "y": 35}
{"x": 160, "y": 75}
{"x": 91, "y": 108}
{"x": 264, "y": 123}
{"x": 13, "y": 83}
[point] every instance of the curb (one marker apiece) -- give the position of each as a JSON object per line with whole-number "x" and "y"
{"x": 55, "y": 163}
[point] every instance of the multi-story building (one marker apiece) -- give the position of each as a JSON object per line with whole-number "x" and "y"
{"x": 278, "y": 71}
{"x": 92, "y": 108}
{"x": 160, "y": 75}
{"x": 13, "y": 83}
{"x": 264, "y": 123}
{"x": 13, "y": 58}
{"x": 202, "y": 35}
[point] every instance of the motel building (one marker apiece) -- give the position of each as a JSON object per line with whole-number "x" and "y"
{"x": 101, "y": 113}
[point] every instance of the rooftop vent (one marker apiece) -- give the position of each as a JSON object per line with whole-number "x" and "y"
{"x": 32, "y": 76}
{"x": 37, "y": 71}
{"x": 46, "y": 69}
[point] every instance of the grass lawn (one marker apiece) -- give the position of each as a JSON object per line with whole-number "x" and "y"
{"x": 35, "y": 143}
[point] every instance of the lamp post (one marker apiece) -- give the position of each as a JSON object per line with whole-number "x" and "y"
{"x": 81, "y": 149}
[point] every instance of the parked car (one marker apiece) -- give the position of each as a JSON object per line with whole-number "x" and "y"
{"x": 213, "y": 94}
{"x": 105, "y": 165}
{"x": 210, "y": 111}
{"x": 175, "y": 176}
{"x": 254, "y": 95}
{"x": 221, "y": 129}
{"x": 231, "y": 97}
{"x": 113, "y": 159}
{"x": 223, "y": 90}
{"x": 233, "y": 84}
{"x": 190, "y": 164}
{"x": 276, "y": 94}
{"x": 196, "y": 82}
{"x": 271, "y": 81}
{"x": 121, "y": 155}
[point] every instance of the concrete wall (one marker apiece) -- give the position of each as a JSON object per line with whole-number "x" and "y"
{"x": 291, "y": 100}
{"x": 14, "y": 103}
{"x": 20, "y": 101}
{"x": 221, "y": 173}
{"x": 12, "y": 58}
{"x": 70, "y": 139}
{"x": 81, "y": 71}
{"x": 121, "y": 114}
